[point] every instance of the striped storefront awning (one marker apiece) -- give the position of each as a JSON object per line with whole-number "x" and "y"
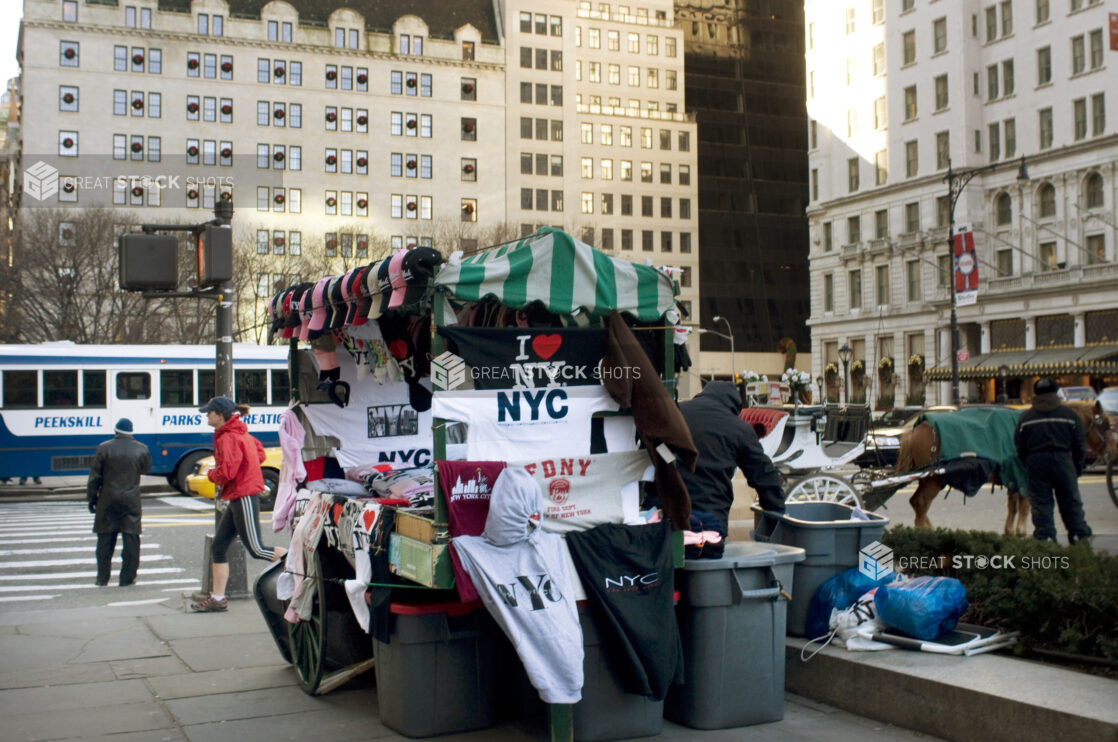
{"x": 1089, "y": 360}
{"x": 564, "y": 274}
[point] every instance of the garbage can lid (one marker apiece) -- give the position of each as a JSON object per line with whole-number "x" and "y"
{"x": 821, "y": 515}
{"x": 748, "y": 554}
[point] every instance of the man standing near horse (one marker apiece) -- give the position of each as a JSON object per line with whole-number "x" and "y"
{"x": 1050, "y": 441}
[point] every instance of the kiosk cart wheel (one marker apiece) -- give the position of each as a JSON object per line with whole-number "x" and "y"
{"x": 824, "y": 488}
{"x": 308, "y": 638}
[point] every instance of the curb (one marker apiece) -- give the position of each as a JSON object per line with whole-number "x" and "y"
{"x": 986, "y": 698}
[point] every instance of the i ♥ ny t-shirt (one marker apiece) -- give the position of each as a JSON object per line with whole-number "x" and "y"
{"x": 524, "y": 423}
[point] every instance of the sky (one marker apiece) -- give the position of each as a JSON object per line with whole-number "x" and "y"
{"x": 10, "y": 13}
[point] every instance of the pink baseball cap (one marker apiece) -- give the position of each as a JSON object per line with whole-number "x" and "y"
{"x": 396, "y": 277}
{"x": 318, "y": 309}
{"x": 304, "y": 303}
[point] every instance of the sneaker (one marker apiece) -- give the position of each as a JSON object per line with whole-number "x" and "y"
{"x": 209, "y": 605}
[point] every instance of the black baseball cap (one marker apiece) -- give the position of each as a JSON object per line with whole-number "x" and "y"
{"x": 418, "y": 267}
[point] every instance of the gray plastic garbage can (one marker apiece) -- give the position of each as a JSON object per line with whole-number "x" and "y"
{"x": 829, "y": 538}
{"x": 731, "y": 620}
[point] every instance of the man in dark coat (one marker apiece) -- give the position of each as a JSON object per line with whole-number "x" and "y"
{"x": 1050, "y": 442}
{"x": 726, "y": 442}
{"x": 113, "y": 493}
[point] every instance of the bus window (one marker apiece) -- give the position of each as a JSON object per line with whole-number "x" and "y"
{"x": 133, "y": 385}
{"x": 250, "y": 387}
{"x": 176, "y": 388}
{"x": 21, "y": 389}
{"x": 281, "y": 388}
{"x": 93, "y": 388}
{"x": 206, "y": 386}
{"x": 60, "y": 389}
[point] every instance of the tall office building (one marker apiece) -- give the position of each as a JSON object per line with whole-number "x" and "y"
{"x": 346, "y": 129}
{"x": 745, "y": 85}
{"x": 898, "y": 92}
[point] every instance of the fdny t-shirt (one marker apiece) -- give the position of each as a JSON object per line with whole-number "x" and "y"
{"x": 524, "y": 423}
{"x": 581, "y": 492}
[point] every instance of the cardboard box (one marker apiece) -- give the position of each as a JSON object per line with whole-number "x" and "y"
{"x": 420, "y": 528}
{"x": 427, "y": 564}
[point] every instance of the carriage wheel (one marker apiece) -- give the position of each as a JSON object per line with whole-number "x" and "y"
{"x": 1112, "y": 480}
{"x": 308, "y": 638}
{"x": 824, "y": 488}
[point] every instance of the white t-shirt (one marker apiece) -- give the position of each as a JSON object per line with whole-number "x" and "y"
{"x": 524, "y": 423}
{"x": 378, "y": 425}
{"x": 580, "y": 492}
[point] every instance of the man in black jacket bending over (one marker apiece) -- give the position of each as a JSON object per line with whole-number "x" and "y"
{"x": 1050, "y": 442}
{"x": 726, "y": 442}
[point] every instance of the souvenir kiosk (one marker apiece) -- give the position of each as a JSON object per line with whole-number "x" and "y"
{"x": 425, "y": 385}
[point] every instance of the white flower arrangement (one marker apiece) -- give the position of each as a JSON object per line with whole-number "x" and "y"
{"x": 749, "y": 377}
{"x": 796, "y": 380}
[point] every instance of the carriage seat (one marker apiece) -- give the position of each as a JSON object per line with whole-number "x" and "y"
{"x": 763, "y": 420}
{"x": 846, "y": 428}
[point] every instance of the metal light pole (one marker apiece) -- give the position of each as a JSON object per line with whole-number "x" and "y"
{"x": 845, "y": 353}
{"x": 956, "y": 181}
{"x": 730, "y": 330}
{"x": 1003, "y": 371}
{"x": 819, "y": 383}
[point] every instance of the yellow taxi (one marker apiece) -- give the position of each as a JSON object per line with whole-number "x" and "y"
{"x": 199, "y": 483}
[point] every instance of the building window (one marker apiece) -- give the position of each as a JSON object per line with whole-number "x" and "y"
{"x": 1093, "y": 191}
{"x": 1046, "y": 197}
{"x": 469, "y": 209}
{"x": 1045, "y": 127}
{"x": 1078, "y": 55}
{"x": 1096, "y": 48}
{"x": 910, "y": 103}
{"x": 943, "y": 149}
{"x": 881, "y": 224}
{"x": 828, "y": 237}
{"x": 853, "y": 230}
{"x": 69, "y": 53}
{"x": 854, "y": 281}
{"x": 911, "y": 159}
{"x": 1079, "y": 118}
{"x": 852, "y": 174}
{"x": 1004, "y": 259}
{"x": 912, "y": 275}
{"x": 1003, "y": 210}
{"x": 993, "y": 134}
{"x": 1096, "y": 249}
{"x": 912, "y": 218}
{"x": 1044, "y": 65}
{"x": 68, "y": 144}
{"x": 939, "y": 35}
{"x": 941, "y": 92}
{"x": 828, "y": 292}
{"x": 879, "y": 59}
{"x": 1047, "y": 256}
{"x": 908, "y": 47}
{"x": 881, "y": 285}
{"x": 1042, "y": 11}
{"x": 68, "y": 99}
{"x": 1010, "y": 131}
{"x": 880, "y": 167}
{"x": 70, "y": 12}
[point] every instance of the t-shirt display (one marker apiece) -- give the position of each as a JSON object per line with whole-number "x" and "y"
{"x": 378, "y": 425}
{"x": 525, "y": 423}
{"x": 581, "y": 492}
{"x": 505, "y": 358}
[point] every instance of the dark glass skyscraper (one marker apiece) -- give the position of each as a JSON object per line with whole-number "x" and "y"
{"x": 745, "y": 84}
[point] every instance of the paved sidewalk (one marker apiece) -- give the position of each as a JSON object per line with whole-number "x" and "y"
{"x": 153, "y": 672}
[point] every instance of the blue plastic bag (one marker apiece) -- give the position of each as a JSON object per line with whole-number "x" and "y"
{"x": 838, "y": 592}
{"x": 924, "y": 607}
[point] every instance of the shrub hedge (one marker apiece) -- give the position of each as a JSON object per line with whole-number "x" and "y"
{"x": 1060, "y": 598}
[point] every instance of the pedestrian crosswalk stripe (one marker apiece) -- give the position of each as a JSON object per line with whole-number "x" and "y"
{"x": 67, "y": 540}
{"x": 15, "y": 598}
{"x": 64, "y": 550}
{"x": 90, "y": 585}
{"x": 188, "y": 502}
{"x": 75, "y": 575}
{"x": 39, "y": 563}
{"x": 149, "y": 601}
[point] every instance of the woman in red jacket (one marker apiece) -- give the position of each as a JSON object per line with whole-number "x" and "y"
{"x": 238, "y": 457}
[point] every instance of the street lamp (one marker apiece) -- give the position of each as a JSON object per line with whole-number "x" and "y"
{"x": 704, "y": 331}
{"x": 1003, "y": 371}
{"x": 819, "y": 383}
{"x": 845, "y": 354}
{"x": 956, "y": 181}
{"x": 730, "y": 330}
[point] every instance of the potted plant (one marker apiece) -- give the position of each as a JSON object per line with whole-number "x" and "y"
{"x": 916, "y": 367}
{"x": 799, "y": 385}
{"x": 885, "y": 370}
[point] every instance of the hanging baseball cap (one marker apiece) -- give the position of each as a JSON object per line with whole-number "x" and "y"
{"x": 364, "y": 299}
{"x": 305, "y": 313}
{"x": 396, "y": 279}
{"x": 416, "y": 269}
{"x": 318, "y": 309}
{"x": 289, "y": 319}
{"x": 337, "y": 303}
{"x": 221, "y": 405}
{"x": 384, "y": 279}
{"x": 356, "y": 290}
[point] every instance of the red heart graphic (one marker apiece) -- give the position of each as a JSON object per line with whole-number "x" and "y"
{"x": 546, "y": 345}
{"x": 398, "y": 348}
{"x": 370, "y": 517}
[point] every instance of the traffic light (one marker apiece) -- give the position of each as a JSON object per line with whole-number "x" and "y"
{"x": 148, "y": 262}
{"x": 214, "y": 246}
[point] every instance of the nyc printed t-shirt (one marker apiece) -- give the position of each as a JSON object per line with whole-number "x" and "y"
{"x": 581, "y": 492}
{"x": 524, "y": 423}
{"x": 379, "y": 425}
{"x": 466, "y": 487}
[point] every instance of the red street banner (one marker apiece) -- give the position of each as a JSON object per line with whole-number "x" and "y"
{"x": 1114, "y": 32}
{"x": 966, "y": 269}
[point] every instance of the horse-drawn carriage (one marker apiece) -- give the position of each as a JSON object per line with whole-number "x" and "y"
{"x": 821, "y": 453}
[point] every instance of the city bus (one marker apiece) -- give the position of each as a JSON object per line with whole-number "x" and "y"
{"x": 58, "y": 401}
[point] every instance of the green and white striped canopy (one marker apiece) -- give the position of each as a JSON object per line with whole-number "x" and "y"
{"x": 564, "y": 274}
